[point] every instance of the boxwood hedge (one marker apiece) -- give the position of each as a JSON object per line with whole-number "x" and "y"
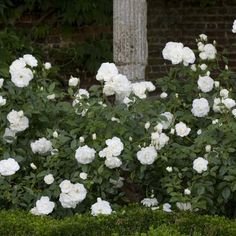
{"x": 131, "y": 220}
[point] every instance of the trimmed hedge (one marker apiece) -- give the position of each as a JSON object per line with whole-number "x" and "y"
{"x": 129, "y": 221}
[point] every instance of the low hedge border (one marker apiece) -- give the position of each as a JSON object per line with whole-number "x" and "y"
{"x": 131, "y": 220}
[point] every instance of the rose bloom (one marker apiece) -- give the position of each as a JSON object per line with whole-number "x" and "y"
{"x": 182, "y": 130}
{"x": 200, "y": 165}
{"x": 101, "y": 207}
{"x": 200, "y": 107}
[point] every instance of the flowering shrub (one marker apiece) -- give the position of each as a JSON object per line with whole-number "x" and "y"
{"x": 78, "y": 150}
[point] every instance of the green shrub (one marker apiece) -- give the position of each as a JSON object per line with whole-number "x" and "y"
{"x": 128, "y": 221}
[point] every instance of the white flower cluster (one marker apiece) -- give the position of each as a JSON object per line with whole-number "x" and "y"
{"x": 147, "y": 155}
{"x": 207, "y": 51}
{"x": 20, "y": 72}
{"x": 71, "y": 194}
{"x": 111, "y": 152}
{"x": 8, "y": 167}
{"x": 177, "y": 53}
{"x": 18, "y": 122}
{"x": 41, "y": 146}
{"x": 223, "y": 103}
{"x": 118, "y": 84}
{"x": 43, "y": 206}
{"x": 85, "y": 154}
{"x": 140, "y": 88}
{"x": 159, "y": 140}
{"x": 101, "y": 207}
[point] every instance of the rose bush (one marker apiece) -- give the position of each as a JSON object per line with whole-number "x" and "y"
{"x": 72, "y": 150}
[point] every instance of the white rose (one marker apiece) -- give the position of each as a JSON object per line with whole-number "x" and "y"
{"x": 169, "y": 168}
{"x": 30, "y": 60}
{"x": 116, "y": 145}
{"x": 209, "y": 52}
{"x": 163, "y": 95}
{"x": 47, "y": 65}
{"x": 229, "y": 103}
{"x": 41, "y": 146}
{"x": 200, "y": 165}
{"x": 101, "y": 207}
{"x": 158, "y": 128}
{"x": 217, "y": 105}
{"x": 83, "y": 175}
{"x": 182, "y": 130}
{"x": 224, "y": 93}
{"x": 203, "y": 37}
{"x": 203, "y": 66}
{"x": 106, "y": 71}
{"x": 113, "y": 162}
{"x": 66, "y": 186}
{"x": 199, "y": 132}
{"x": 234, "y": 113}
{"x": 140, "y": 88}
{"x": 217, "y": 84}
{"x": 188, "y": 56}
{"x": 8, "y": 167}
{"x": 205, "y": 83}
{"x": 147, "y": 155}
{"x": 81, "y": 139}
{"x": 85, "y": 155}
{"x": 173, "y": 52}
{"x": 187, "y": 191}
{"x": 159, "y": 140}
{"x": 18, "y": 122}
{"x": 55, "y": 134}
{"x": 48, "y": 179}
{"x": 208, "y": 148}
{"x": 21, "y": 77}
{"x": 200, "y": 46}
{"x": 167, "y": 207}
{"x": 44, "y": 206}
{"x": 200, "y": 107}
{"x": 73, "y": 81}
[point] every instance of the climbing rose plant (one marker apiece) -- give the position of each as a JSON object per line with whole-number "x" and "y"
{"x": 77, "y": 150}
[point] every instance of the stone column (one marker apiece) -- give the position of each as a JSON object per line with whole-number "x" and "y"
{"x": 130, "y": 48}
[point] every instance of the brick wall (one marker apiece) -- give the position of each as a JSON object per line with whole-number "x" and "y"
{"x": 183, "y": 21}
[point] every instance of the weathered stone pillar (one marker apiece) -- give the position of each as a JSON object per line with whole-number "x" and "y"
{"x": 130, "y": 48}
